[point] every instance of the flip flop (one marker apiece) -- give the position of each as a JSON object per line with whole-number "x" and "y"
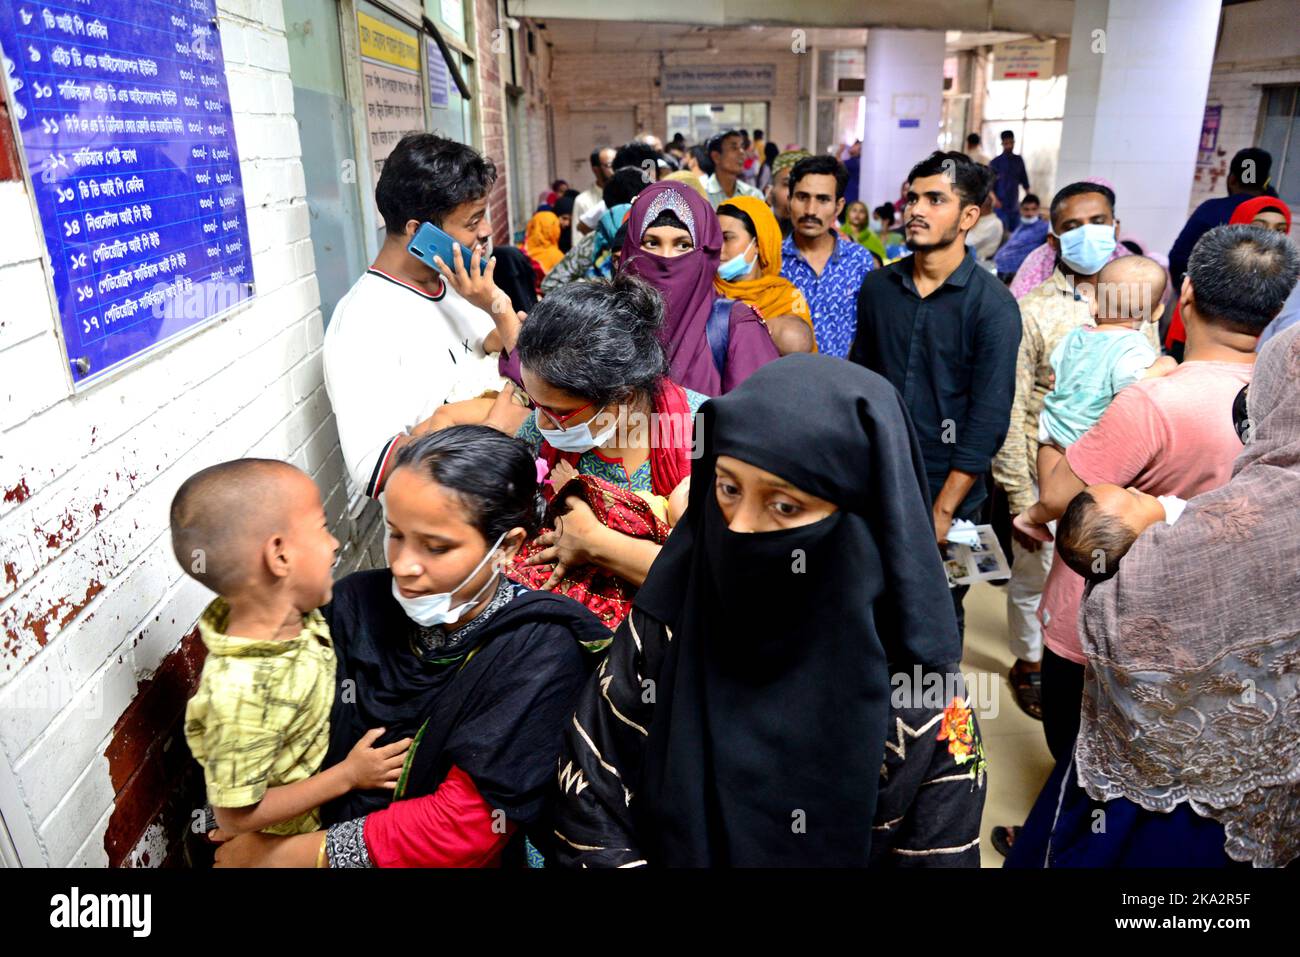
{"x": 1028, "y": 689}
{"x": 1003, "y": 838}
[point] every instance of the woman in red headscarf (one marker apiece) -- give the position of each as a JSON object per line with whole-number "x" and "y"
{"x": 1265, "y": 212}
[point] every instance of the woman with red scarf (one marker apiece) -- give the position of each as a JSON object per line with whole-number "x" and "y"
{"x": 1265, "y": 212}
{"x": 596, "y": 371}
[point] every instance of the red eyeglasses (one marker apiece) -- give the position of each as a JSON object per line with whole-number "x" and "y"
{"x": 559, "y": 420}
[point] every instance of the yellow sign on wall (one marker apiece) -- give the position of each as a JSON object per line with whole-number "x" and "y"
{"x": 391, "y": 45}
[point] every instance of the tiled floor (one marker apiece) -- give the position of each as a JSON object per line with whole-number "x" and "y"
{"x": 1013, "y": 742}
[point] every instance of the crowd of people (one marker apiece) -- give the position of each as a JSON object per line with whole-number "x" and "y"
{"x": 577, "y": 656}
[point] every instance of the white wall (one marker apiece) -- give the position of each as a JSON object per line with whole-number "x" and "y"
{"x": 904, "y": 82}
{"x": 91, "y": 599}
{"x": 1259, "y": 46}
{"x": 1135, "y": 103}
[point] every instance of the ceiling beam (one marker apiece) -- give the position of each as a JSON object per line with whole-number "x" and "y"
{"x": 1043, "y": 17}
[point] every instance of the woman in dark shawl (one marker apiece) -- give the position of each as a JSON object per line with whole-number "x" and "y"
{"x": 482, "y": 680}
{"x": 673, "y": 242}
{"x": 517, "y": 275}
{"x": 744, "y": 714}
{"x": 1189, "y": 745}
{"x": 564, "y": 210}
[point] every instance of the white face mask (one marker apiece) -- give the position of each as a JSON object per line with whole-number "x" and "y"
{"x": 577, "y": 438}
{"x": 429, "y": 610}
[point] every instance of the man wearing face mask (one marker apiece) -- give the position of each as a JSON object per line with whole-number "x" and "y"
{"x": 1082, "y": 233}
{"x": 408, "y": 338}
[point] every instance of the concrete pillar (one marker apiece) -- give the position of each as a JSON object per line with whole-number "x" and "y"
{"x": 904, "y": 94}
{"x": 1139, "y": 71}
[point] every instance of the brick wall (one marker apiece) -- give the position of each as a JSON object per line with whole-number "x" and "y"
{"x": 9, "y": 168}
{"x": 1238, "y": 88}
{"x": 1259, "y": 45}
{"x": 97, "y": 645}
{"x": 492, "y": 115}
{"x": 609, "y": 80}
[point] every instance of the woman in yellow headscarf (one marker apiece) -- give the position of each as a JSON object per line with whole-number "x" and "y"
{"x": 750, "y": 270}
{"x": 542, "y": 240}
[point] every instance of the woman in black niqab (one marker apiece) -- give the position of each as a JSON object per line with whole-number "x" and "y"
{"x": 764, "y": 741}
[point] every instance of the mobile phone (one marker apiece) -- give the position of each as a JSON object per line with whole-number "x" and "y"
{"x": 430, "y": 241}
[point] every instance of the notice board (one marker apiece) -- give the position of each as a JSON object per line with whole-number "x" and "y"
{"x": 124, "y": 120}
{"x": 390, "y": 71}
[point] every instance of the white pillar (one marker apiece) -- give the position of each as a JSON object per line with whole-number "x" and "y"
{"x": 1139, "y": 71}
{"x": 904, "y": 100}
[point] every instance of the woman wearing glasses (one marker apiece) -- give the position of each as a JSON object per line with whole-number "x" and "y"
{"x": 615, "y": 434}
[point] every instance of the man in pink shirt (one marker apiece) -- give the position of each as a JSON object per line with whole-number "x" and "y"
{"x": 1165, "y": 436}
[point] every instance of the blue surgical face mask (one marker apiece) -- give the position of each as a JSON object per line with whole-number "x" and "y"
{"x": 429, "y": 610}
{"x": 1028, "y": 220}
{"x": 1085, "y": 249}
{"x": 736, "y": 266}
{"x": 576, "y": 438}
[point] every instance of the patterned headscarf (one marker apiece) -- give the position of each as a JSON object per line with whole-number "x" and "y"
{"x": 1193, "y": 674}
{"x": 684, "y": 281}
{"x": 788, "y": 159}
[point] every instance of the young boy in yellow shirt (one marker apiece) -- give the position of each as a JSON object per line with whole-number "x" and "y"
{"x": 254, "y": 531}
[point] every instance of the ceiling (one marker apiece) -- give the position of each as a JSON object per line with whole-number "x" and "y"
{"x": 590, "y": 36}
{"x": 1039, "y": 17}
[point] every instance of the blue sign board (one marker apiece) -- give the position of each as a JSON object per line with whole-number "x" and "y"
{"x": 439, "y": 78}
{"x": 909, "y": 124}
{"x": 124, "y": 118}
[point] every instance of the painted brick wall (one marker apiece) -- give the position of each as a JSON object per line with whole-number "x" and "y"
{"x": 1238, "y": 88}
{"x": 97, "y": 644}
{"x": 1259, "y": 45}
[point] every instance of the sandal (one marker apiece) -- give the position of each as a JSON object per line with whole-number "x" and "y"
{"x": 1028, "y": 689}
{"x": 1003, "y": 838}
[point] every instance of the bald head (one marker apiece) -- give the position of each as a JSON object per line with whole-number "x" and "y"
{"x": 222, "y": 516}
{"x": 1129, "y": 289}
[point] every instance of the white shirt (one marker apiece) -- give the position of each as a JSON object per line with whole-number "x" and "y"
{"x": 986, "y": 236}
{"x": 584, "y": 203}
{"x": 1174, "y": 507}
{"x": 716, "y": 195}
{"x": 591, "y": 217}
{"x": 392, "y": 355}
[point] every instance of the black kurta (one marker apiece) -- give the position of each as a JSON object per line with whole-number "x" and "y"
{"x": 497, "y": 716}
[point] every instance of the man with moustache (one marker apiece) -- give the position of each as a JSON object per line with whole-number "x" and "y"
{"x": 827, "y": 269}
{"x": 946, "y": 334}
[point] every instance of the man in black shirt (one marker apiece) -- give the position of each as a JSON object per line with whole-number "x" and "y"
{"x": 945, "y": 333}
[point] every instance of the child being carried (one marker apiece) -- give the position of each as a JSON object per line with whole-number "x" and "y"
{"x": 1093, "y": 363}
{"x": 255, "y": 532}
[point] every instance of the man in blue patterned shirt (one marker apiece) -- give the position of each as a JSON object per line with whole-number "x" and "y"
{"x": 826, "y": 268}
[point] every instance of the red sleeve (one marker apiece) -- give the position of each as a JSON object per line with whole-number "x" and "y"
{"x": 452, "y": 827}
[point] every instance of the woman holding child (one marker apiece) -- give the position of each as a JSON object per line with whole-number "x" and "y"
{"x": 441, "y": 648}
{"x": 1187, "y": 746}
{"x": 614, "y": 433}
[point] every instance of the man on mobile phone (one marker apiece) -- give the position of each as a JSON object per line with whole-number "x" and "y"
{"x": 409, "y": 337}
